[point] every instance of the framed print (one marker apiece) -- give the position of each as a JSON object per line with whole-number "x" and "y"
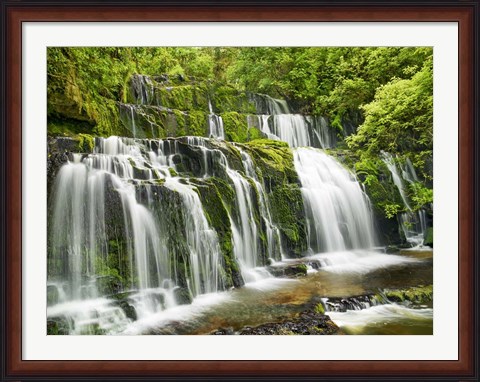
{"x": 218, "y": 191}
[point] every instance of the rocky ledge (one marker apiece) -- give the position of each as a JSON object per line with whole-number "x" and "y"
{"x": 309, "y": 322}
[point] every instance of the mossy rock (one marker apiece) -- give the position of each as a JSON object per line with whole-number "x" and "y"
{"x": 109, "y": 284}
{"x": 58, "y": 325}
{"x": 226, "y": 99}
{"x": 129, "y": 310}
{"x": 417, "y": 295}
{"x": 216, "y": 194}
{"x": 235, "y": 126}
{"x": 428, "y": 237}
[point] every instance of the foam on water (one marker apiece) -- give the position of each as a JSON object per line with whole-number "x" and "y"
{"x": 360, "y": 261}
{"x": 383, "y": 314}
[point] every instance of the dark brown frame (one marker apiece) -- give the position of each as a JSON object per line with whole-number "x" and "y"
{"x": 466, "y": 13}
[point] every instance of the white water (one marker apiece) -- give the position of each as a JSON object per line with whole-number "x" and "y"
{"x": 359, "y": 261}
{"x": 338, "y": 212}
{"x": 79, "y": 239}
{"x": 215, "y": 124}
{"x": 295, "y": 129}
{"x": 274, "y": 244}
{"x": 380, "y": 315}
{"x": 413, "y": 223}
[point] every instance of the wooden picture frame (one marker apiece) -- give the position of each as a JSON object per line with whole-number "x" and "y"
{"x": 14, "y": 13}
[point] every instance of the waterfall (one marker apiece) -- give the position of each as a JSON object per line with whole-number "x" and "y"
{"x": 296, "y": 129}
{"x": 128, "y": 170}
{"x": 413, "y": 223}
{"x": 245, "y": 229}
{"x": 143, "y": 89}
{"x": 274, "y": 245}
{"x": 338, "y": 212}
{"x": 215, "y": 124}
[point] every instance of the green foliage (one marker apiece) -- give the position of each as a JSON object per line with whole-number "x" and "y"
{"x": 85, "y": 84}
{"x": 391, "y": 210}
{"x": 420, "y": 195}
{"x": 429, "y": 237}
{"x": 400, "y": 119}
{"x": 327, "y": 81}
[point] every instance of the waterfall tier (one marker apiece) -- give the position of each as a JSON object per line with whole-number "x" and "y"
{"x": 338, "y": 211}
{"x": 141, "y": 225}
{"x": 157, "y": 108}
{"x": 413, "y": 223}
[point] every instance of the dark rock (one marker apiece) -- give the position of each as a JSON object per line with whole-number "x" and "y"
{"x": 315, "y": 264}
{"x": 129, "y": 310}
{"x": 182, "y": 296}
{"x": 392, "y": 249}
{"x": 307, "y": 323}
{"x": 351, "y": 303}
{"x": 108, "y": 285}
{"x": 237, "y": 278}
{"x": 288, "y": 270}
{"x": 428, "y": 237}
{"x": 222, "y": 331}
{"x": 59, "y": 325}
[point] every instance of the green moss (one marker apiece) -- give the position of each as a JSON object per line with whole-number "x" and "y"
{"x": 172, "y": 171}
{"x": 418, "y": 295}
{"x": 216, "y": 194}
{"x": 235, "y": 126}
{"x": 429, "y": 237}
{"x": 287, "y": 211}
{"x": 86, "y": 143}
{"x": 254, "y": 133}
{"x": 274, "y": 163}
{"x": 226, "y": 99}
{"x": 319, "y": 308}
{"x": 67, "y": 127}
{"x": 185, "y": 97}
{"x": 59, "y": 325}
{"x": 181, "y": 123}
{"x": 197, "y": 123}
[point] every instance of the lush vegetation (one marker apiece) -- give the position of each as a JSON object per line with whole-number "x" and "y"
{"x": 378, "y": 99}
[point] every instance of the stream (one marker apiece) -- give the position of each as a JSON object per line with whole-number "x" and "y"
{"x": 277, "y": 299}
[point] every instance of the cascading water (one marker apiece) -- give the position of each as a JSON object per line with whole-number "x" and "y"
{"x": 128, "y": 169}
{"x": 215, "y": 124}
{"x": 338, "y": 213}
{"x": 245, "y": 229}
{"x": 413, "y": 223}
{"x": 295, "y": 129}
{"x": 274, "y": 245}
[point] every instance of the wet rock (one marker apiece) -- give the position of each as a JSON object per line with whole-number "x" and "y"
{"x": 182, "y": 296}
{"x": 288, "y": 270}
{"x": 315, "y": 264}
{"x": 223, "y": 331}
{"x": 237, "y": 279}
{"x": 108, "y": 285}
{"x": 307, "y": 323}
{"x": 351, "y": 303}
{"x": 129, "y": 310}
{"x": 392, "y": 249}
{"x": 429, "y": 237}
{"x": 415, "y": 295}
{"x": 59, "y": 325}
